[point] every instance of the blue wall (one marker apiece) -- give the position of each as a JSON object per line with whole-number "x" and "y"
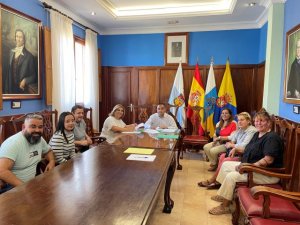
{"x": 291, "y": 19}
{"x": 263, "y": 43}
{"x": 241, "y": 46}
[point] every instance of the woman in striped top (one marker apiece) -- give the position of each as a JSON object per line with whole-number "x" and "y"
{"x": 62, "y": 141}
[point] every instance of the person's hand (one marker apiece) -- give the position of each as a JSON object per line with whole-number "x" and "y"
{"x": 232, "y": 153}
{"x": 89, "y": 141}
{"x": 238, "y": 167}
{"x": 130, "y": 127}
{"x": 50, "y": 165}
{"x": 229, "y": 145}
{"x": 23, "y": 84}
{"x": 163, "y": 126}
{"x": 2, "y": 183}
{"x": 84, "y": 143}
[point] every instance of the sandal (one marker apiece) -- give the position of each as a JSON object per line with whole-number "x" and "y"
{"x": 205, "y": 183}
{"x": 217, "y": 198}
{"x": 219, "y": 210}
{"x": 214, "y": 185}
{"x": 213, "y": 168}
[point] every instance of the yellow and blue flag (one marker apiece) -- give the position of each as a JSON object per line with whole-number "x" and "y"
{"x": 210, "y": 101}
{"x": 226, "y": 96}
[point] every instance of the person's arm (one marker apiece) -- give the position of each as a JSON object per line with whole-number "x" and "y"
{"x": 88, "y": 139}
{"x": 51, "y": 161}
{"x": 123, "y": 129}
{"x": 6, "y": 174}
{"x": 265, "y": 161}
{"x": 172, "y": 123}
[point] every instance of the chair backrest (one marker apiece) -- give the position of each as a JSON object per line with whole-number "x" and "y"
{"x": 50, "y": 123}
{"x": 48, "y": 126}
{"x": 17, "y": 122}
{"x": 295, "y": 171}
{"x": 141, "y": 113}
{"x": 88, "y": 119}
{"x": 286, "y": 132}
{"x": 2, "y": 131}
{"x": 196, "y": 119}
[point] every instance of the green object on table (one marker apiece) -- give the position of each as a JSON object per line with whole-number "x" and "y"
{"x": 168, "y": 136}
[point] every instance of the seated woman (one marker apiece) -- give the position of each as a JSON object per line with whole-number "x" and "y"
{"x": 114, "y": 123}
{"x": 235, "y": 147}
{"x": 265, "y": 149}
{"x": 62, "y": 141}
{"x": 223, "y": 129}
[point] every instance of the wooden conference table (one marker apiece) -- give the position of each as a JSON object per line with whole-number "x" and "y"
{"x": 97, "y": 187}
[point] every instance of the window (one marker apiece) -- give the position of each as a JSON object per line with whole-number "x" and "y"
{"x": 79, "y": 69}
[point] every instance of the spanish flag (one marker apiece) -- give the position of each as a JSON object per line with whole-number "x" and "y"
{"x": 196, "y": 98}
{"x": 226, "y": 96}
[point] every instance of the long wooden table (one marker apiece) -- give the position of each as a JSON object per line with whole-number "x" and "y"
{"x": 97, "y": 187}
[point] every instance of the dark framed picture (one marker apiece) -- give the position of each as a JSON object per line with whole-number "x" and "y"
{"x": 292, "y": 66}
{"x": 176, "y": 48}
{"x": 20, "y": 51}
{"x": 15, "y": 104}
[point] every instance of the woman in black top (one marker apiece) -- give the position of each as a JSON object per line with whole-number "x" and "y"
{"x": 265, "y": 150}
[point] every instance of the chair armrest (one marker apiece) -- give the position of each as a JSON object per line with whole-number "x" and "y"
{"x": 274, "y": 172}
{"x": 268, "y": 191}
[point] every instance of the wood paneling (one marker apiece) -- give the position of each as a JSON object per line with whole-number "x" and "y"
{"x": 151, "y": 85}
{"x": 148, "y": 94}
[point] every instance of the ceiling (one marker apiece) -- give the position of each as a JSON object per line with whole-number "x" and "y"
{"x": 162, "y": 16}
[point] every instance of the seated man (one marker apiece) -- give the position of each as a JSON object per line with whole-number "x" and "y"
{"x": 160, "y": 119}
{"x": 82, "y": 140}
{"x": 20, "y": 153}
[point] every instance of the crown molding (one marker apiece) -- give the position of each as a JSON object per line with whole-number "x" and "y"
{"x": 201, "y": 9}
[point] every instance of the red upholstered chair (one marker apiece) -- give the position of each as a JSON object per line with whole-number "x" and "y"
{"x": 276, "y": 203}
{"x": 261, "y": 221}
{"x": 195, "y": 139}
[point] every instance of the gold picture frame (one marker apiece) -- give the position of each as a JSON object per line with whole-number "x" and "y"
{"x": 292, "y": 66}
{"x": 176, "y": 48}
{"x": 20, "y": 46}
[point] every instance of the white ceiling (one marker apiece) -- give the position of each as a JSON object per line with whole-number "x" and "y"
{"x": 162, "y": 16}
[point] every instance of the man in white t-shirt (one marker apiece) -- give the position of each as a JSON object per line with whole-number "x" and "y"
{"x": 160, "y": 119}
{"x": 20, "y": 153}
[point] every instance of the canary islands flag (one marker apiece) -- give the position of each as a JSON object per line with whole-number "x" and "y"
{"x": 210, "y": 101}
{"x": 177, "y": 97}
{"x": 196, "y": 98}
{"x": 226, "y": 96}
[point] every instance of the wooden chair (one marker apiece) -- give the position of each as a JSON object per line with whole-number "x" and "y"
{"x": 50, "y": 119}
{"x": 90, "y": 131}
{"x": 2, "y": 131}
{"x": 195, "y": 139}
{"x": 250, "y": 207}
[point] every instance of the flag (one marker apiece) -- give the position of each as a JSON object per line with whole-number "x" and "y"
{"x": 210, "y": 101}
{"x": 196, "y": 98}
{"x": 177, "y": 97}
{"x": 226, "y": 96}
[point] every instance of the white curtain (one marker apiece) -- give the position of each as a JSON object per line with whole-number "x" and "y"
{"x": 63, "y": 65}
{"x": 91, "y": 83}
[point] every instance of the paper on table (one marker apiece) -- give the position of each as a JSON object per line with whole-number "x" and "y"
{"x": 169, "y": 130}
{"x": 147, "y": 151}
{"x": 131, "y": 132}
{"x": 147, "y": 158}
{"x": 140, "y": 126}
{"x": 168, "y": 136}
{"x": 151, "y": 131}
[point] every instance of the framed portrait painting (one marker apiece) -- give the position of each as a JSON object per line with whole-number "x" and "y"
{"x": 20, "y": 55}
{"x": 176, "y": 48}
{"x": 292, "y": 66}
